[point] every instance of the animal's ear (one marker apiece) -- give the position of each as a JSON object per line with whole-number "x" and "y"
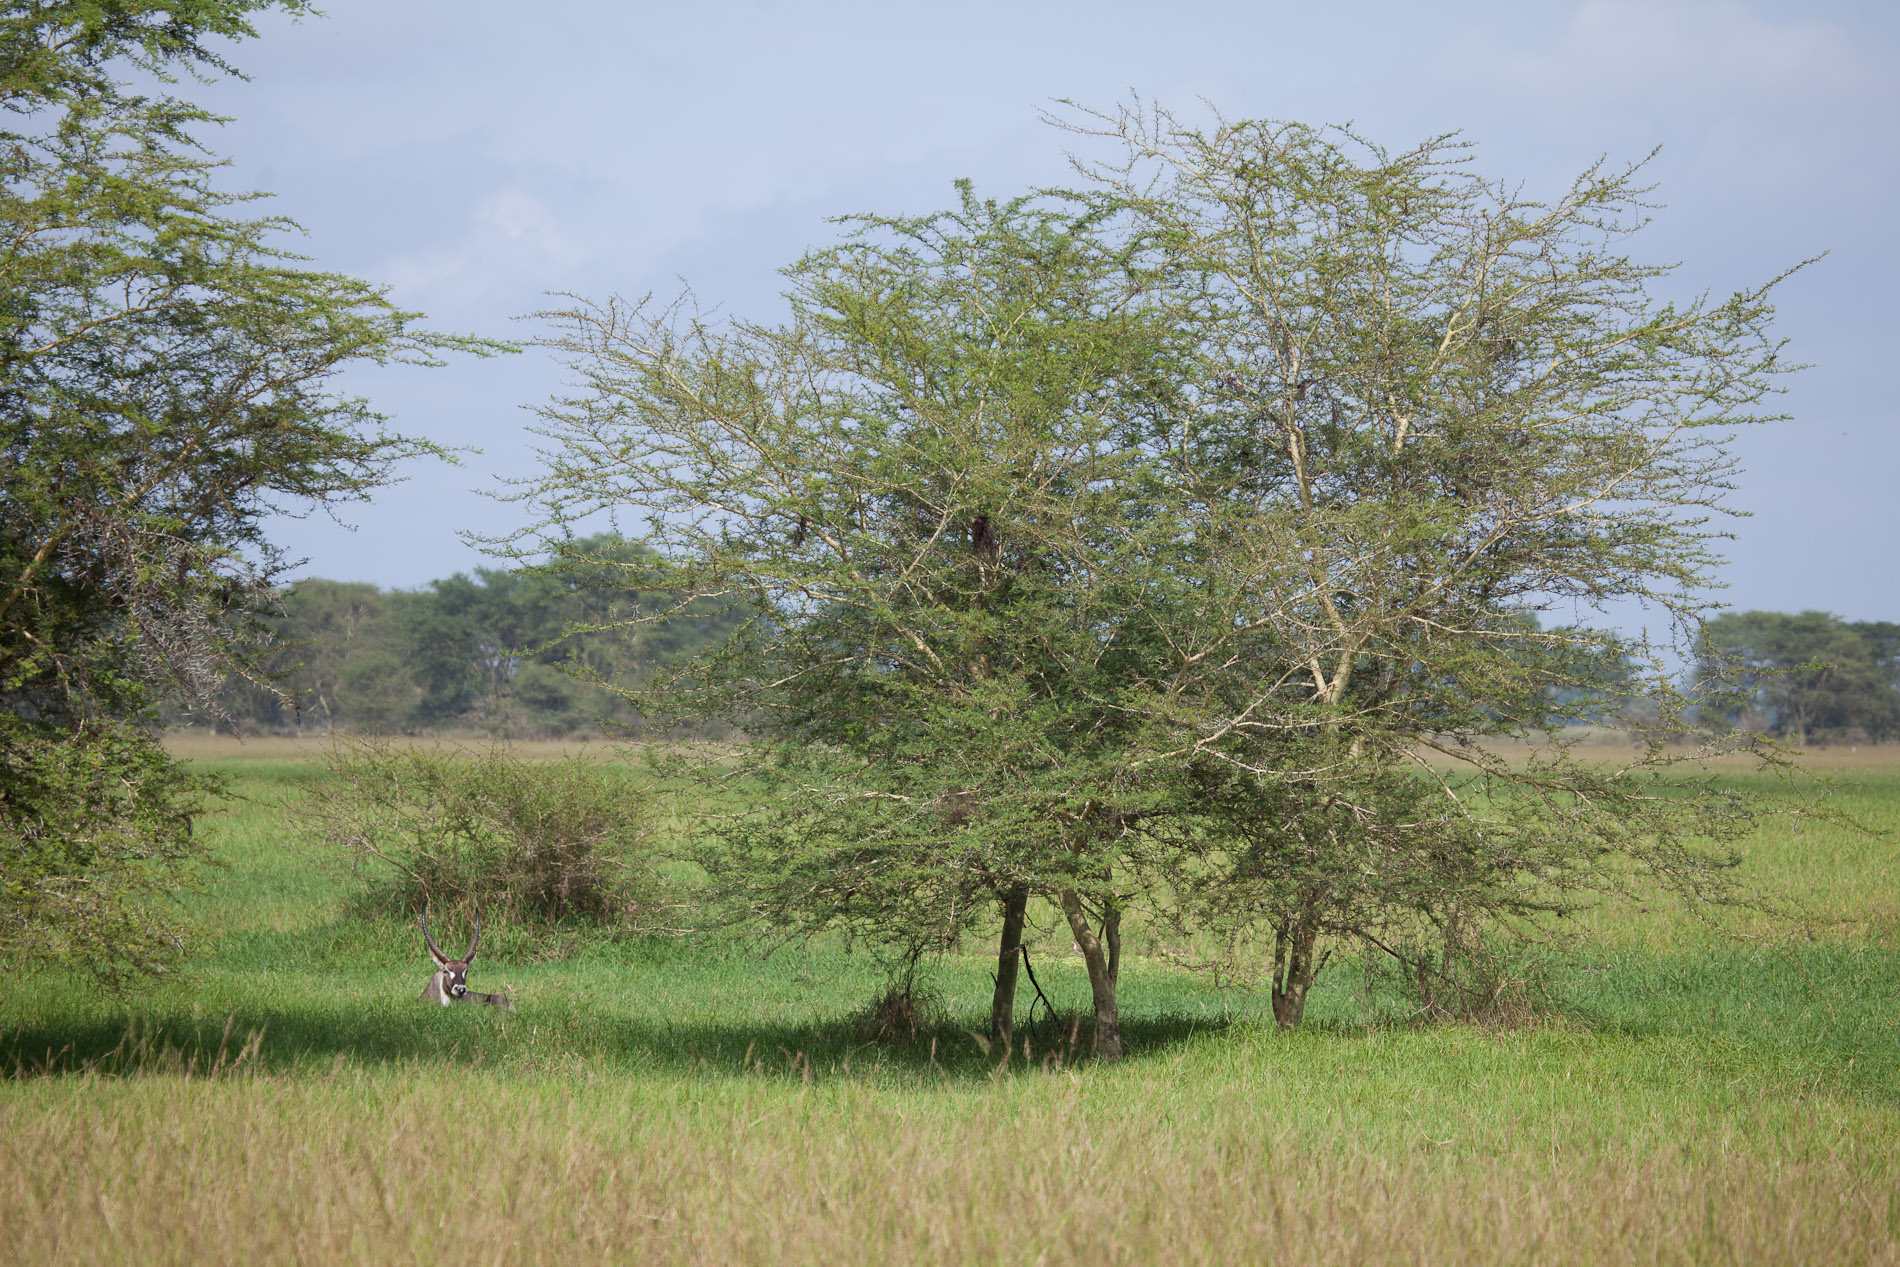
{"x": 436, "y": 955}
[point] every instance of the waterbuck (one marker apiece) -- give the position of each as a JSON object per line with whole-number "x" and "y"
{"x": 450, "y": 982}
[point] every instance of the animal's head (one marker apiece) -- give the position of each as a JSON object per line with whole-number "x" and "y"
{"x": 453, "y": 973}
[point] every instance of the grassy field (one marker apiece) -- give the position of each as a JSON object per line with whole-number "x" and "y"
{"x": 1700, "y": 1098}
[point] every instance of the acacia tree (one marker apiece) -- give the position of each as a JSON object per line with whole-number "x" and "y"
{"x": 926, "y": 491}
{"x": 163, "y": 387}
{"x": 1202, "y": 539}
{"x": 1430, "y": 408}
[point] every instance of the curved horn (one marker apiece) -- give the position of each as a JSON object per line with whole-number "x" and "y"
{"x": 470, "y": 956}
{"x": 433, "y": 948}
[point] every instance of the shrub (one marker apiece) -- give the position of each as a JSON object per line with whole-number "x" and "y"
{"x": 95, "y": 840}
{"x": 537, "y": 841}
{"x": 897, "y": 1015}
{"x": 1460, "y": 969}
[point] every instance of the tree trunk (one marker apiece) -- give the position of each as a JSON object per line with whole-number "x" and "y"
{"x": 1293, "y": 968}
{"x": 1008, "y": 961}
{"x": 1104, "y": 963}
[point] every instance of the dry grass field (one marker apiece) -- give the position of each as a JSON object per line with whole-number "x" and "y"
{"x": 1699, "y": 1097}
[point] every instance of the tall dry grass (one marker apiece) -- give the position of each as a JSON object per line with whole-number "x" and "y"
{"x": 448, "y": 1168}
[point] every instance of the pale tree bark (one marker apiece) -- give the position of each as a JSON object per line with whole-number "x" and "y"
{"x": 1294, "y": 966}
{"x": 1102, "y": 955}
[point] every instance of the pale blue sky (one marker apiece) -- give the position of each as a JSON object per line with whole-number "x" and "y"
{"x": 474, "y": 154}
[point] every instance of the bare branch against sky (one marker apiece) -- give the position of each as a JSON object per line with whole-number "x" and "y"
{"x": 476, "y": 154}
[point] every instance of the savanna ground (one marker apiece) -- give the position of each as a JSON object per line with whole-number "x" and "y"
{"x": 1700, "y": 1096}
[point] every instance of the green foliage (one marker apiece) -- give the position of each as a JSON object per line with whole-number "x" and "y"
{"x": 97, "y": 832}
{"x": 1811, "y": 676}
{"x": 334, "y": 660}
{"x": 929, "y": 491}
{"x": 1150, "y": 541}
{"x": 163, "y": 388}
{"x": 56, "y": 51}
{"x": 517, "y": 655}
{"x": 490, "y": 832}
{"x": 1431, "y": 407}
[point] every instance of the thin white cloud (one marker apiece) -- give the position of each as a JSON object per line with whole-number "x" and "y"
{"x": 513, "y": 242}
{"x": 1709, "y": 66}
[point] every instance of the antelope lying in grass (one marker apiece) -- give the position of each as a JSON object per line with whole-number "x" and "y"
{"x": 450, "y": 982}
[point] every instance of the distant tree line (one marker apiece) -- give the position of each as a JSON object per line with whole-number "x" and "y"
{"x": 518, "y": 654}
{"x": 1802, "y": 678}
{"x": 504, "y": 653}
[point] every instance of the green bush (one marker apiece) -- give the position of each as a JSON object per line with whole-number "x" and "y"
{"x": 451, "y": 828}
{"x": 95, "y": 839}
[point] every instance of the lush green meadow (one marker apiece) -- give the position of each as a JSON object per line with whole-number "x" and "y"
{"x": 1702, "y": 1096}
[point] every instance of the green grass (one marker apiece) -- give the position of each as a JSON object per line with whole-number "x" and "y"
{"x": 1698, "y": 1097}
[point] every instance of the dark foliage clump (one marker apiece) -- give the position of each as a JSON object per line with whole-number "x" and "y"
{"x": 898, "y": 1015}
